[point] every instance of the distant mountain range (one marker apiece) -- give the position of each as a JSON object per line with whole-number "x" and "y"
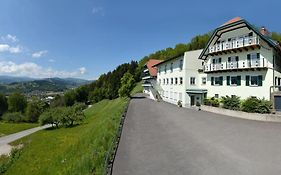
{"x": 9, "y": 84}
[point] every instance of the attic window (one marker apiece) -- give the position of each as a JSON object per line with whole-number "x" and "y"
{"x": 251, "y": 34}
{"x": 229, "y": 39}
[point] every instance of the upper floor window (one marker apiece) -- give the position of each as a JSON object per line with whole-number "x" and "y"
{"x": 254, "y": 80}
{"x": 167, "y": 81}
{"x": 181, "y": 64}
{"x": 204, "y": 80}
{"x": 172, "y": 82}
{"x": 217, "y": 61}
{"x": 180, "y": 80}
{"x": 253, "y": 59}
{"x": 159, "y": 81}
{"x": 171, "y": 67}
{"x": 158, "y": 68}
{"x": 163, "y": 80}
{"x": 192, "y": 80}
{"x": 176, "y": 80}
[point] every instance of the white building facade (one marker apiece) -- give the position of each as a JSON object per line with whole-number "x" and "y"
{"x": 181, "y": 79}
{"x": 241, "y": 60}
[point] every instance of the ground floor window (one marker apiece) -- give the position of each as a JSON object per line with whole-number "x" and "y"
{"x": 204, "y": 80}
{"x": 233, "y": 80}
{"x": 253, "y": 80}
{"x": 217, "y": 80}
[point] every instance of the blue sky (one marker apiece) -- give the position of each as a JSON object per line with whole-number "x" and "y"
{"x": 85, "y": 38}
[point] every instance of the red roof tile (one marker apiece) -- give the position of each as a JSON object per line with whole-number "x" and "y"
{"x": 232, "y": 20}
{"x": 152, "y": 70}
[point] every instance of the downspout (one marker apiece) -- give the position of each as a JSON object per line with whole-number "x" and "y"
{"x": 273, "y": 78}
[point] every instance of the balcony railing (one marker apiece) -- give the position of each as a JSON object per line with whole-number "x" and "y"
{"x": 235, "y": 65}
{"x": 234, "y": 44}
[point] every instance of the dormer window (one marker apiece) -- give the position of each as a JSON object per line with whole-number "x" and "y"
{"x": 251, "y": 34}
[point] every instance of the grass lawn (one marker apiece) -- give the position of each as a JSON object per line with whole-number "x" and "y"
{"x": 138, "y": 88}
{"x": 76, "y": 150}
{"x": 10, "y": 128}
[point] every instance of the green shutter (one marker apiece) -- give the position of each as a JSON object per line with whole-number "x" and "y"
{"x": 212, "y": 80}
{"x": 260, "y": 80}
{"x": 258, "y": 55}
{"x": 247, "y": 80}
{"x": 238, "y": 80}
{"x": 228, "y": 80}
{"x": 221, "y": 80}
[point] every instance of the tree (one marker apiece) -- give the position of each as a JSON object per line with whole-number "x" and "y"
{"x": 17, "y": 103}
{"x": 34, "y": 109}
{"x": 52, "y": 116}
{"x": 70, "y": 97}
{"x": 58, "y": 101}
{"x": 3, "y": 104}
{"x": 127, "y": 84}
{"x": 73, "y": 114}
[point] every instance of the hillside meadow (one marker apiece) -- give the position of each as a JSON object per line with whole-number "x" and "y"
{"x": 76, "y": 150}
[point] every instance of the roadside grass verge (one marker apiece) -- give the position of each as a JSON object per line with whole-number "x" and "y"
{"x": 10, "y": 128}
{"x": 76, "y": 150}
{"x": 137, "y": 89}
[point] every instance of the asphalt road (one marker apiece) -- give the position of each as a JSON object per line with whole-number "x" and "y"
{"x": 159, "y": 138}
{"x": 5, "y": 148}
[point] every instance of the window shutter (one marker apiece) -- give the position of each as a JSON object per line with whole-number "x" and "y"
{"x": 212, "y": 80}
{"x": 247, "y": 80}
{"x": 221, "y": 79}
{"x": 238, "y": 80}
{"x": 228, "y": 80}
{"x": 260, "y": 80}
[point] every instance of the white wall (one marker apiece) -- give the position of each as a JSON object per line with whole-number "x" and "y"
{"x": 172, "y": 93}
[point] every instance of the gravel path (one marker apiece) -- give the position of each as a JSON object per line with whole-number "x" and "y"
{"x": 160, "y": 138}
{"x": 5, "y": 148}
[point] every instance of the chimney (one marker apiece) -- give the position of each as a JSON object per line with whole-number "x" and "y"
{"x": 264, "y": 31}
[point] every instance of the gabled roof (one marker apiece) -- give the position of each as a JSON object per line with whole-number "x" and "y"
{"x": 233, "y": 24}
{"x": 150, "y": 66}
{"x": 169, "y": 59}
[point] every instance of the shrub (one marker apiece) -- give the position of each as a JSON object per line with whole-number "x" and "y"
{"x": 253, "y": 104}
{"x": 14, "y": 117}
{"x": 179, "y": 103}
{"x": 265, "y": 106}
{"x": 232, "y": 102}
{"x": 212, "y": 102}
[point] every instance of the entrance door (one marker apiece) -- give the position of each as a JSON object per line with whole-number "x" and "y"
{"x": 192, "y": 100}
{"x": 277, "y": 102}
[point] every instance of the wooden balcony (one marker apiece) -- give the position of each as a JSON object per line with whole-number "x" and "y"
{"x": 235, "y": 66}
{"x": 234, "y": 46}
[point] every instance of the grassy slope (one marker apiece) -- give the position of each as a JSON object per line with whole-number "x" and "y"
{"x": 77, "y": 150}
{"x": 138, "y": 88}
{"x": 9, "y": 128}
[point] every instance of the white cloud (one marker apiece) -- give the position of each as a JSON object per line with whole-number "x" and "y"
{"x": 51, "y": 60}
{"x": 98, "y": 10}
{"x": 39, "y": 54}
{"x": 9, "y": 38}
{"x": 8, "y": 48}
{"x": 34, "y": 70}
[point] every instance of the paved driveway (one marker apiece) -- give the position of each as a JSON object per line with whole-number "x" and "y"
{"x": 160, "y": 138}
